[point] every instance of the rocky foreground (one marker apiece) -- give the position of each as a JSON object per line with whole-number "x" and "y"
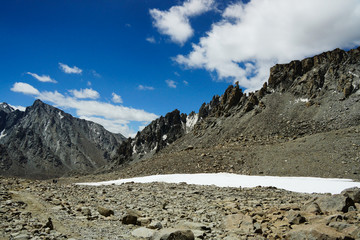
{"x": 63, "y": 210}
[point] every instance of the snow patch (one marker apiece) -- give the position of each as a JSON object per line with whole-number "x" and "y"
{"x": 164, "y": 137}
{"x": 2, "y": 134}
{"x": 60, "y": 115}
{"x": 191, "y": 121}
{"x": 134, "y": 149}
{"x": 295, "y": 184}
{"x": 304, "y": 100}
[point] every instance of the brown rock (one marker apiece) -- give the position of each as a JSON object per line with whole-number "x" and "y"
{"x": 105, "y": 212}
{"x": 317, "y": 231}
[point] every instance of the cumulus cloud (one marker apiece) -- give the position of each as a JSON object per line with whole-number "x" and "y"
{"x": 113, "y": 125}
{"x": 42, "y": 78}
{"x": 66, "y": 69}
{"x": 24, "y": 88}
{"x": 113, "y": 115}
{"x": 171, "y": 83}
{"x": 142, "y": 87}
{"x": 116, "y": 98}
{"x": 175, "y": 21}
{"x": 85, "y": 93}
{"x": 252, "y": 37}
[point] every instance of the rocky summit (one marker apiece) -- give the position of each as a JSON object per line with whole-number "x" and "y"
{"x": 45, "y": 142}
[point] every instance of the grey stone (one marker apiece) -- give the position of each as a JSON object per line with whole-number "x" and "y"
{"x": 143, "y": 232}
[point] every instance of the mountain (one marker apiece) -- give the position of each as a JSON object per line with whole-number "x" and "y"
{"x": 304, "y": 121}
{"x": 45, "y": 142}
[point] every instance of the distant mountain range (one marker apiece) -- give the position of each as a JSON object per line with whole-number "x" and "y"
{"x": 45, "y": 142}
{"x": 298, "y": 117}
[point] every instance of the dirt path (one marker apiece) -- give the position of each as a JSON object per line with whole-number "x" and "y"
{"x": 41, "y": 210}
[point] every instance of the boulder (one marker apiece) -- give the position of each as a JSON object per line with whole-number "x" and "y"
{"x": 335, "y": 203}
{"x": 131, "y": 217}
{"x": 316, "y": 231}
{"x": 180, "y": 235}
{"x": 353, "y": 193}
{"x": 143, "y": 232}
{"x": 105, "y": 212}
{"x": 238, "y": 221}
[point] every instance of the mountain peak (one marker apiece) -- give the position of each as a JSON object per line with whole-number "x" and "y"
{"x": 6, "y": 107}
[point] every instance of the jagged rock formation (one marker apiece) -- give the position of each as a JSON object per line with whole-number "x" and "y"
{"x": 302, "y": 97}
{"x": 304, "y": 121}
{"x": 157, "y": 135}
{"x": 46, "y": 142}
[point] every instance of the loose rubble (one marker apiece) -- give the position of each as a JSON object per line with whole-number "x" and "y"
{"x": 45, "y": 210}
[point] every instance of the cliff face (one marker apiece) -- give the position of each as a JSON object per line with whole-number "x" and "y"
{"x": 156, "y": 136}
{"x": 45, "y": 142}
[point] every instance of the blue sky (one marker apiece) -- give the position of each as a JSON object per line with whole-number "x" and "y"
{"x": 122, "y": 63}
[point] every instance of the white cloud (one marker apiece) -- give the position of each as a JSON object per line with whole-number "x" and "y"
{"x": 89, "y": 83}
{"x": 20, "y": 108}
{"x": 171, "y": 83}
{"x": 253, "y": 37}
{"x": 114, "y": 126}
{"x": 116, "y": 98}
{"x": 95, "y": 74}
{"x": 151, "y": 39}
{"x": 85, "y": 93}
{"x": 24, "y": 88}
{"x": 142, "y": 87}
{"x": 100, "y": 112}
{"x": 186, "y": 82}
{"x": 42, "y": 78}
{"x": 175, "y": 21}
{"x": 66, "y": 69}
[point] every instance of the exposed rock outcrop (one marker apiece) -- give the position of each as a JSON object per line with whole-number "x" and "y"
{"x": 157, "y": 135}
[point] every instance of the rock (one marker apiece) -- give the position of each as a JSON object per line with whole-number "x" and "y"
{"x": 192, "y": 226}
{"x": 334, "y": 203}
{"x": 49, "y": 224}
{"x": 180, "y": 235}
{"x": 318, "y": 231}
{"x": 155, "y": 225}
{"x": 131, "y": 217}
{"x": 311, "y": 207}
{"x": 87, "y": 212}
{"x": 23, "y": 236}
{"x": 353, "y": 193}
{"x": 144, "y": 221}
{"x": 143, "y": 232}
{"x": 238, "y": 221}
{"x": 295, "y": 217}
{"x": 105, "y": 211}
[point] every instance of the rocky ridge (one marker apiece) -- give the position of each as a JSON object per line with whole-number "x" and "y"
{"x": 43, "y": 210}
{"x": 45, "y": 142}
{"x": 304, "y": 122}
